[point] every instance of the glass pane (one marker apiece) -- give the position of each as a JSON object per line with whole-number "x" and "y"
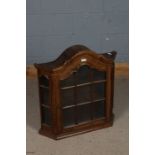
{"x": 43, "y": 80}
{"x": 68, "y": 116}
{"x": 99, "y": 75}
{"x": 44, "y": 94}
{"x": 46, "y": 116}
{"x": 84, "y": 113}
{"x": 82, "y": 75}
{"x": 83, "y": 94}
{"x": 99, "y": 109}
{"x": 67, "y": 97}
{"x": 68, "y": 81}
{"x": 98, "y": 90}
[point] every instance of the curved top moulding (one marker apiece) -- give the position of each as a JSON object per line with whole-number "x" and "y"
{"x": 74, "y": 51}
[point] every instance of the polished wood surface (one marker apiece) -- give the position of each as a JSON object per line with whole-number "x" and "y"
{"x": 71, "y": 60}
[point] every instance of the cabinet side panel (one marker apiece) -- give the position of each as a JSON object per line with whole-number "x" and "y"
{"x": 56, "y": 108}
{"x": 109, "y": 92}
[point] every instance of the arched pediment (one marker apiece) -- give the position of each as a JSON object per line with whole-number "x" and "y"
{"x": 85, "y": 57}
{"x": 75, "y": 56}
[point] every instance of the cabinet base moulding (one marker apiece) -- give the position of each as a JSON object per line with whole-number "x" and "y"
{"x": 45, "y": 131}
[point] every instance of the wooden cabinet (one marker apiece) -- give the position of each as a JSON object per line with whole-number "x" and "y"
{"x": 76, "y": 92}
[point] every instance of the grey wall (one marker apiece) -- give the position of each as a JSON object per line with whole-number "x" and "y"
{"x": 53, "y": 25}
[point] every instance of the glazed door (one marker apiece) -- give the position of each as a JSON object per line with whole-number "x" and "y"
{"x": 83, "y": 96}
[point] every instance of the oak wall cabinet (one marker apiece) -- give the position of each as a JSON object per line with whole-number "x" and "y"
{"x": 76, "y": 92}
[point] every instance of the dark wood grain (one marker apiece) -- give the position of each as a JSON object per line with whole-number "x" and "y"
{"x": 69, "y": 62}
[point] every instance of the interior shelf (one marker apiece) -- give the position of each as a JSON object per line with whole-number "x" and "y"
{"x": 83, "y": 103}
{"x": 44, "y": 105}
{"x": 44, "y": 86}
{"x": 83, "y": 84}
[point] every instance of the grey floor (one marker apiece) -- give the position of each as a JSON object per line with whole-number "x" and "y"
{"x": 109, "y": 141}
